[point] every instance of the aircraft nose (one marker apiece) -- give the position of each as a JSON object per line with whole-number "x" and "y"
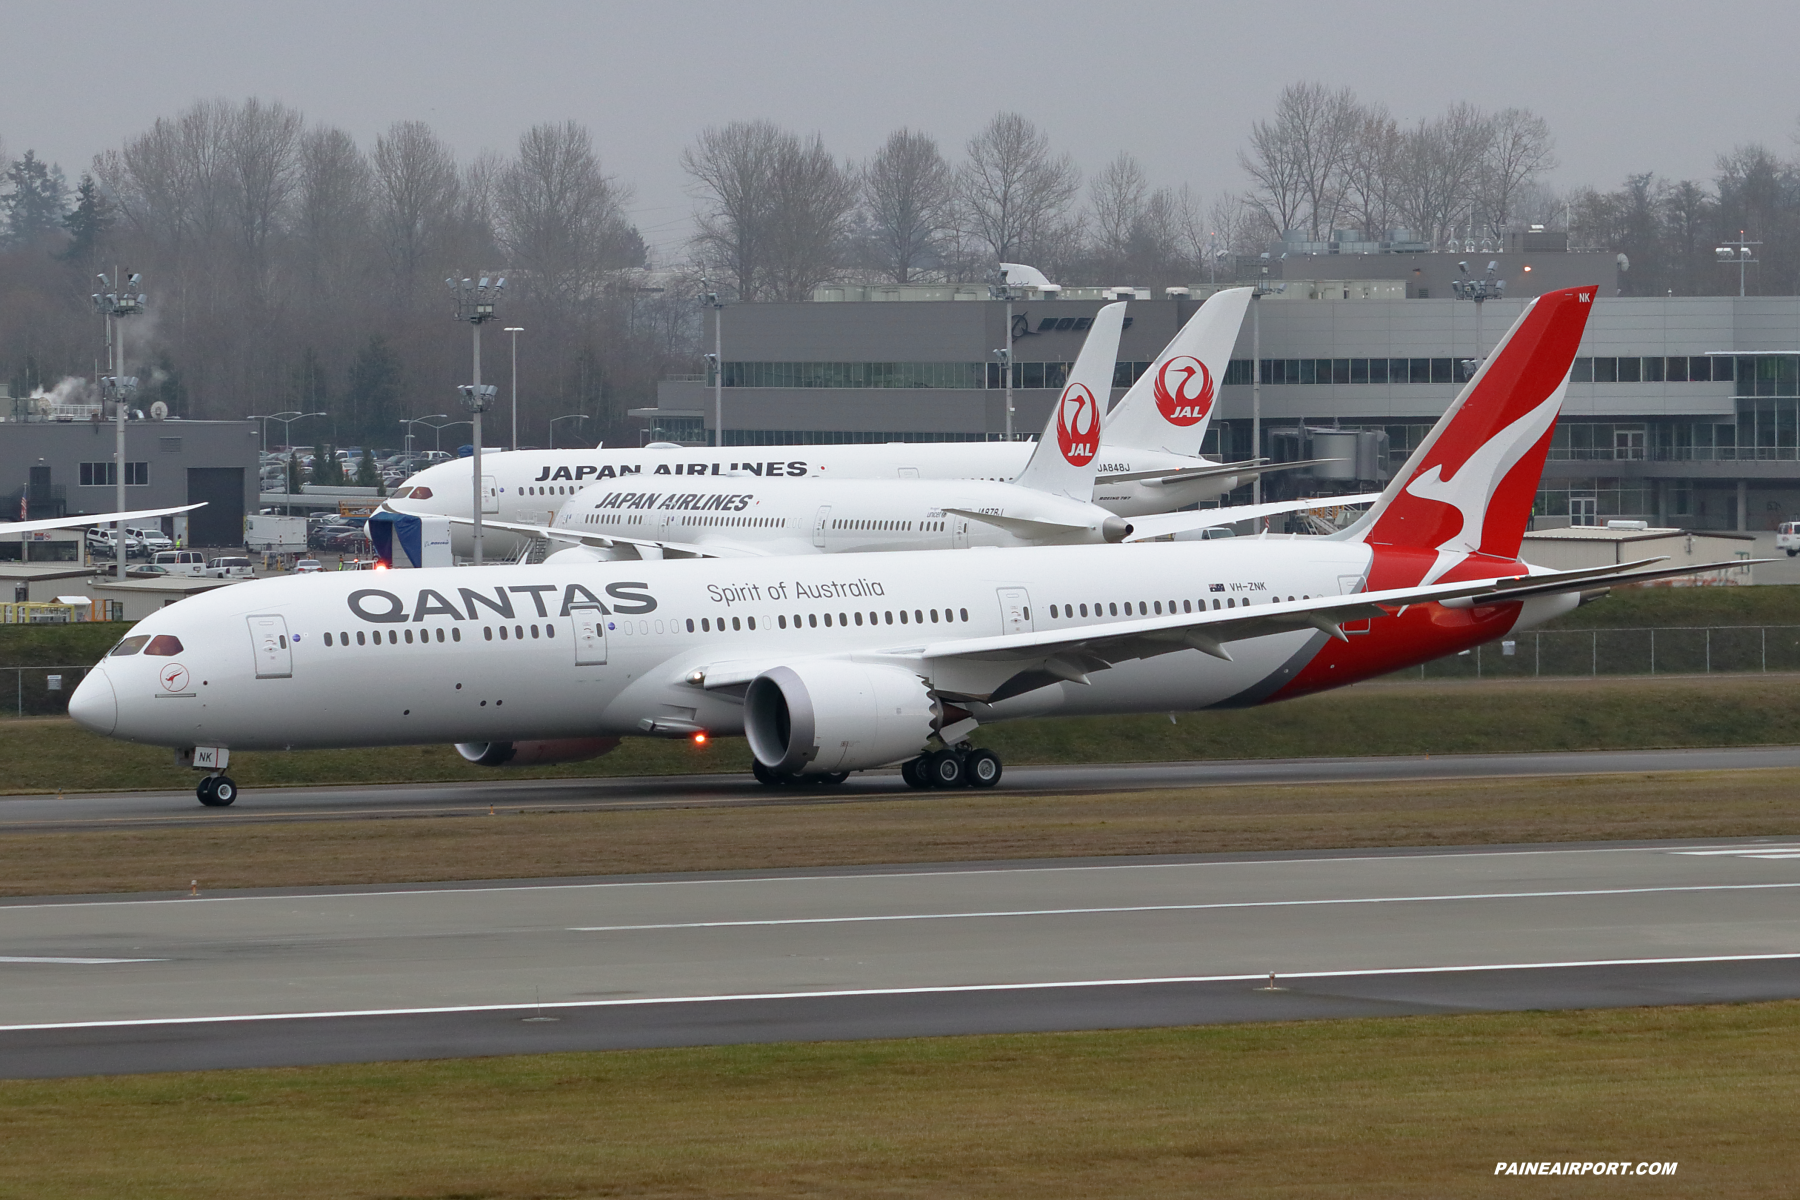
{"x": 94, "y": 705}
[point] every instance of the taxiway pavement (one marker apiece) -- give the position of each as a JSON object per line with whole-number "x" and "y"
{"x": 120, "y": 984}
{"x": 149, "y": 809}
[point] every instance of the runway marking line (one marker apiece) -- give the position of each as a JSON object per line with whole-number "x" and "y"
{"x": 853, "y": 993}
{"x": 75, "y": 962}
{"x": 1224, "y": 904}
{"x": 970, "y": 869}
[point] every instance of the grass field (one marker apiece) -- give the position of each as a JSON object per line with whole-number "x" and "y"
{"x": 912, "y": 827}
{"x": 44, "y": 755}
{"x": 1396, "y": 1108}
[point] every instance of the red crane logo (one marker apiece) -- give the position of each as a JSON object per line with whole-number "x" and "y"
{"x": 1191, "y": 397}
{"x": 1078, "y": 425}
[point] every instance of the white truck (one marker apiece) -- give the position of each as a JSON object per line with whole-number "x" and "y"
{"x": 275, "y": 535}
{"x": 1787, "y": 537}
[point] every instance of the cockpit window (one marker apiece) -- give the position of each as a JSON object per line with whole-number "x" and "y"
{"x": 164, "y": 645}
{"x": 403, "y": 493}
{"x": 130, "y": 645}
{"x": 421, "y": 493}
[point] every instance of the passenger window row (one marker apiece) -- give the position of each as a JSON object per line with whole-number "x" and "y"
{"x": 917, "y": 616}
{"x": 366, "y": 638}
{"x": 874, "y": 525}
{"x": 1146, "y": 608}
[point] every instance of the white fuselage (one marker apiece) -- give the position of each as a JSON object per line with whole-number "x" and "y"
{"x": 528, "y": 486}
{"x": 830, "y": 516}
{"x": 491, "y": 654}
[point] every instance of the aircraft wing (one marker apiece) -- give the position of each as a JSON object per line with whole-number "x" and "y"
{"x": 606, "y": 541}
{"x": 993, "y": 668}
{"x": 1250, "y": 466}
{"x": 1020, "y": 526}
{"x": 93, "y": 519}
{"x": 1162, "y": 524}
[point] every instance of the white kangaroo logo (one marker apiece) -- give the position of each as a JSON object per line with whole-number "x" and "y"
{"x": 1471, "y": 489}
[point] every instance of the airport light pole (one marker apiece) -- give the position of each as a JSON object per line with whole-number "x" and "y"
{"x": 475, "y": 304}
{"x": 117, "y": 299}
{"x": 1479, "y": 291}
{"x": 1004, "y": 291}
{"x": 515, "y": 330}
{"x": 409, "y": 422}
{"x": 709, "y": 298}
{"x": 1738, "y": 252}
{"x": 564, "y": 417}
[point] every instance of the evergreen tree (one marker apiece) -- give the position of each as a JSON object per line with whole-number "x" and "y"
{"x": 366, "y": 474}
{"x": 295, "y": 478}
{"x": 372, "y": 395}
{"x": 88, "y": 221}
{"x": 35, "y": 205}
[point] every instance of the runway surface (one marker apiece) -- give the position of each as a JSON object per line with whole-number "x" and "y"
{"x": 149, "y": 809}
{"x": 128, "y": 984}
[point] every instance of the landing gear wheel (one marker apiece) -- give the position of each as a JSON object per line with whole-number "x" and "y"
{"x": 205, "y": 790}
{"x": 944, "y": 769}
{"x": 765, "y": 776}
{"x": 912, "y": 771}
{"x": 216, "y": 791}
{"x": 833, "y": 778}
{"x": 982, "y": 767}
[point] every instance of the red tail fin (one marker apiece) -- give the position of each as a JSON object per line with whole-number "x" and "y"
{"x": 1469, "y": 487}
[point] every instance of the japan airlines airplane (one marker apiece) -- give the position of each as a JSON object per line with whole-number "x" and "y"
{"x": 737, "y": 515}
{"x": 1149, "y": 460}
{"x": 832, "y": 664}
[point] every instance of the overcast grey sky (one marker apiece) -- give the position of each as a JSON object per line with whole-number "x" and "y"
{"x": 1627, "y": 87}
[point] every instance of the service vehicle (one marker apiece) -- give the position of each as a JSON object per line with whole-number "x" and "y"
{"x": 1787, "y": 537}
{"x": 230, "y": 567}
{"x": 190, "y": 563}
{"x": 275, "y": 535}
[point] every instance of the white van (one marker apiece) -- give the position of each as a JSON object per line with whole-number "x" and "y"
{"x": 190, "y": 563}
{"x": 230, "y": 568}
{"x": 1787, "y": 537}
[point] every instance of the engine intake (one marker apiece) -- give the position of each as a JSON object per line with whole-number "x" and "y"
{"x": 819, "y": 717}
{"x": 531, "y": 754}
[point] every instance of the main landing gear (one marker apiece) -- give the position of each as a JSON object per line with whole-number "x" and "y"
{"x": 217, "y": 791}
{"x": 953, "y": 769}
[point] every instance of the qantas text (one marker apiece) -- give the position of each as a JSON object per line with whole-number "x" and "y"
{"x": 473, "y": 604}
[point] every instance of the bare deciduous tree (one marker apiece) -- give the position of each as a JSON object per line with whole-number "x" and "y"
{"x": 730, "y": 168}
{"x": 1520, "y": 150}
{"x": 1117, "y": 196}
{"x": 1371, "y": 198}
{"x": 558, "y": 214}
{"x": 1298, "y": 159}
{"x": 812, "y": 196}
{"x": 1015, "y": 193}
{"x": 908, "y": 192}
{"x": 416, "y": 189}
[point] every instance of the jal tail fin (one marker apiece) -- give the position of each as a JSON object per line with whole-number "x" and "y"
{"x": 1063, "y": 463}
{"x": 1171, "y": 405}
{"x": 1469, "y": 487}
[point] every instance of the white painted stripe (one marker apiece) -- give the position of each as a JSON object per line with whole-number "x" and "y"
{"x": 76, "y": 962}
{"x": 1738, "y": 850}
{"x": 944, "y": 990}
{"x": 1146, "y": 908}
{"x": 971, "y": 869}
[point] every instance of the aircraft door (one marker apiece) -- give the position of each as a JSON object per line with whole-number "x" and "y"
{"x": 590, "y": 634}
{"x": 959, "y": 533}
{"x": 819, "y": 523}
{"x": 1015, "y": 610}
{"x": 269, "y": 637}
{"x": 490, "y": 494}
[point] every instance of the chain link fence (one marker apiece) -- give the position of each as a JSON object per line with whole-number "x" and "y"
{"x": 1664, "y": 650}
{"x": 39, "y": 691}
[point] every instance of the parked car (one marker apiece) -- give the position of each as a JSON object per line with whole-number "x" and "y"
{"x": 308, "y": 566}
{"x": 190, "y": 563}
{"x": 322, "y": 537}
{"x": 152, "y": 539}
{"x": 351, "y": 541}
{"x": 147, "y": 571}
{"x": 230, "y": 568}
{"x": 103, "y": 543}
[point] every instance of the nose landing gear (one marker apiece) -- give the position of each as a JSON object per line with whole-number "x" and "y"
{"x": 217, "y": 791}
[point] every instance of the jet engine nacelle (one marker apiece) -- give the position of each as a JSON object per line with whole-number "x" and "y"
{"x": 815, "y": 718}
{"x": 531, "y": 754}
